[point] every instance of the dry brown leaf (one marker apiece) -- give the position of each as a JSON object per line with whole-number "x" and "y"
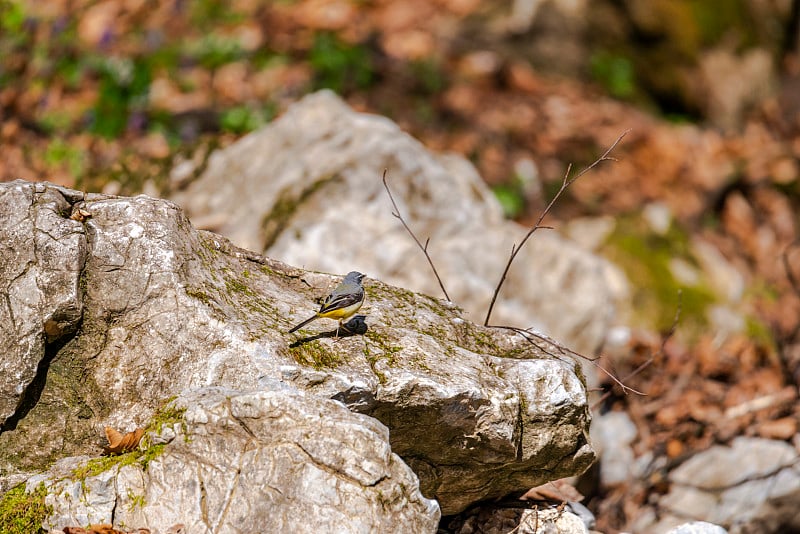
{"x": 557, "y": 490}
{"x": 103, "y": 528}
{"x": 119, "y": 443}
{"x": 80, "y": 215}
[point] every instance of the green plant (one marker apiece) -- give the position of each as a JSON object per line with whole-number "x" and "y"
{"x": 124, "y": 86}
{"x": 168, "y": 414}
{"x": 614, "y": 72}
{"x": 214, "y": 51}
{"x": 59, "y": 153}
{"x": 511, "y": 199}
{"x": 340, "y": 66}
{"x": 14, "y": 40}
{"x": 314, "y": 354}
{"x": 211, "y": 13}
{"x": 243, "y": 119}
{"x": 136, "y": 501}
{"x": 12, "y": 16}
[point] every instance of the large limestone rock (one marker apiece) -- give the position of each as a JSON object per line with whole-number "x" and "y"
{"x": 277, "y": 461}
{"x": 40, "y": 265}
{"x": 477, "y": 413}
{"x": 307, "y": 190}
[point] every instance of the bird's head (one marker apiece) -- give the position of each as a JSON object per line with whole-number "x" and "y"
{"x": 354, "y": 277}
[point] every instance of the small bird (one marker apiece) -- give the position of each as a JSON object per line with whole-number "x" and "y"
{"x": 342, "y": 303}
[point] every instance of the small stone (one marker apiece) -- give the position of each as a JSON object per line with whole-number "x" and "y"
{"x": 698, "y": 527}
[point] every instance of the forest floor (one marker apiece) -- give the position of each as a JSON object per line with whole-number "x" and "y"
{"x": 110, "y": 95}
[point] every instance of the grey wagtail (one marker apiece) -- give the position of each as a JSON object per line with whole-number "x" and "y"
{"x": 342, "y": 303}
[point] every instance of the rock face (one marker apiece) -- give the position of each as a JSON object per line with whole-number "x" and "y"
{"x": 40, "y": 265}
{"x": 242, "y": 462}
{"x": 307, "y": 190}
{"x": 477, "y": 413}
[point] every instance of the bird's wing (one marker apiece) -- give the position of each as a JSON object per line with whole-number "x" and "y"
{"x": 342, "y": 299}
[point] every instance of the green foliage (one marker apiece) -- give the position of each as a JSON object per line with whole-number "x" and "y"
{"x": 23, "y": 513}
{"x": 12, "y": 16}
{"x": 211, "y": 13}
{"x": 614, "y": 72}
{"x": 243, "y": 119}
{"x": 56, "y": 122}
{"x": 124, "y": 86}
{"x": 14, "y": 39}
{"x": 340, "y": 66}
{"x": 214, "y": 51}
{"x": 59, "y": 153}
{"x": 511, "y": 199}
{"x": 760, "y": 332}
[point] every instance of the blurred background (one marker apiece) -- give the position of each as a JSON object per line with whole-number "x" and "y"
{"x": 112, "y": 95}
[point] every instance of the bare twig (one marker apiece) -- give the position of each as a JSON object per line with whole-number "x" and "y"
{"x": 532, "y": 337}
{"x": 565, "y": 183}
{"x": 424, "y": 247}
{"x": 525, "y": 523}
{"x": 529, "y": 333}
{"x": 651, "y": 359}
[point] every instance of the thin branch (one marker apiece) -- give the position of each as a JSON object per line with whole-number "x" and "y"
{"x": 528, "y": 333}
{"x": 564, "y": 351}
{"x": 659, "y": 352}
{"x": 424, "y": 248}
{"x": 565, "y": 183}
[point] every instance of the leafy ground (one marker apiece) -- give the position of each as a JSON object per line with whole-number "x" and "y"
{"x": 110, "y": 95}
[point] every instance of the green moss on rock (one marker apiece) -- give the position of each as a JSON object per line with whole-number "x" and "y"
{"x": 314, "y": 354}
{"x": 22, "y": 512}
{"x": 645, "y": 257}
{"x": 167, "y": 415}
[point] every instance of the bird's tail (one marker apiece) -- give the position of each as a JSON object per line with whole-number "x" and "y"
{"x": 301, "y": 325}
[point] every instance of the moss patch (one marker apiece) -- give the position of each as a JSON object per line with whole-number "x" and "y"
{"x": 645, "y": 257}
{"x": 22, "y": 512}
{"x": 314, "y": 354}
{"x": 95, "y": 466}
{"x": 168, "y": 415}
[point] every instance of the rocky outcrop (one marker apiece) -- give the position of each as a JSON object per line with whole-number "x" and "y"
{"x": 40, "y": 265}
{"x": 166, "y": 309}
{"x": 307, "y": 190}
{"x": 280, "y": 460}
